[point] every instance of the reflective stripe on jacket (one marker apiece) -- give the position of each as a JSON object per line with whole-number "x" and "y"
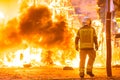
{"x": 86, "y": 35}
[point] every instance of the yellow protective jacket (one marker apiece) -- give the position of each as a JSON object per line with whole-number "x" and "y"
{"x": 87, "y": 37}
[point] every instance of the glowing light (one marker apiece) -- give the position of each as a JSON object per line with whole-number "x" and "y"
{"x": 2, "y": 15}
{"x": 35, "y": 56}
{"x": 27, "y": 56}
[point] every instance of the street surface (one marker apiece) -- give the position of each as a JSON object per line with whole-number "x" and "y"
{"x": 54, "y": 73}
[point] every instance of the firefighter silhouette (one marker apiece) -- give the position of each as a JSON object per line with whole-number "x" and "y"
{"x": 87, "y": 39}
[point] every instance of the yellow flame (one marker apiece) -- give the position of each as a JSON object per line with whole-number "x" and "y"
{"x": 2, "y": 15}
{"x": 25, "y": 56}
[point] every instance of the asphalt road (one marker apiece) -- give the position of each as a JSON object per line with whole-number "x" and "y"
{"x": 54, "y": 73}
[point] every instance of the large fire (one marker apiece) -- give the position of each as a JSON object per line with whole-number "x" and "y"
{"x": 43, "y": 34}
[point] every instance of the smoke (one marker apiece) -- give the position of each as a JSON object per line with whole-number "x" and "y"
{"x": 9, "y": 36}
{"x": 36, "y": 27}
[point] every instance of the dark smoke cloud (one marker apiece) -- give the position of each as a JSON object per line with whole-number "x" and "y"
{"x": 35, "y": 20}
{"x": 37, "y": 28}
{"x": 9, "y": 36}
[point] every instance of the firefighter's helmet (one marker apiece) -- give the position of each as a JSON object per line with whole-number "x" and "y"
{"x": 86, "y": 20}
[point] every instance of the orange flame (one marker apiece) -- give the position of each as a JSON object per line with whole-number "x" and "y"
{"x": 44, "y": 35}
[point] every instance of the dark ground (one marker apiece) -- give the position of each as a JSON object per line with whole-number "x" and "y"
{"x": 54, "y": 73}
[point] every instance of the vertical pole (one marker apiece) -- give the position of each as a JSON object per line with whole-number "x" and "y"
{"x": 34, "y": 2}
{"x": 108, "y": 40}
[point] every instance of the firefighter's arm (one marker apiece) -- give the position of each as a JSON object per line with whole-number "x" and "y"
{"x": 96, "y": 43}
{"x": 95, "y": 40}
{"x": 76, "y": 41}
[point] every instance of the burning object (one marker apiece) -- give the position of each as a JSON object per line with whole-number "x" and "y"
{"x": 47, "y": 58}
{"x": 67, "y": 68}
{"x": 27, "y": 65}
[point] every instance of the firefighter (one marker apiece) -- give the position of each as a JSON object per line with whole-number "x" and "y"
{"x": 87, "y": 40}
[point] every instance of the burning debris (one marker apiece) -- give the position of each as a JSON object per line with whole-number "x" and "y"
{"x": 27, "y": 65}
{"x": 68, "y": 68}
{"x": 47, "y": 58}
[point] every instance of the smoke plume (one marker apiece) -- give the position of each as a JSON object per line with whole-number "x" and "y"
{"x": 36, "y": 27}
